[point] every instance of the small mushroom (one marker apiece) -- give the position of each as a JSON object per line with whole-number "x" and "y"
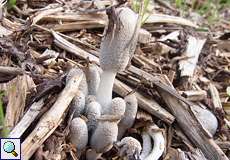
{"x": 159, "y": 142}
{"x": 117, "y": 107}
{"x": 117, "y": 48}
{"x": 129, "y": 116}
{"x": 78, "y": 104}
{"x": 105, "y": 134}
{"x": 93, "y": 78}
{"x": 129, "y": 147}
{"x": 79, "y": 133}
{"x": 83, "y": 85}
{"x": 207, "y": 119}
{"x": 93, "y": 112}
{"x": 146, "y": 145}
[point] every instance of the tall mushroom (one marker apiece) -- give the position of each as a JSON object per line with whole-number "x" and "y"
{"x": 117, "y": 48}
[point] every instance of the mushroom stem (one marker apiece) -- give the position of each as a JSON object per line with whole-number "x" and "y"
{"x": 104, "y": 93}
{"x": 159, "y": 143}
{"x": 147, "y": 146}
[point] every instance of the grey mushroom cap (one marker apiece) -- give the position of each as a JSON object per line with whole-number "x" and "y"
{"x": 117, "y": 107}
{"x": 93, "y": 112}
{"x": 104, "y": 136}
{"x": 78, "y": 104}
{"x": 114, "y": 54}
{"x": 93, "y": 78}
{"x": 129, "y": 147}
{"x": 207, "y": 119}
{"x": 79, "y": 133}
{"x": 129, "y": 116}
{"x": 83, "y": 85}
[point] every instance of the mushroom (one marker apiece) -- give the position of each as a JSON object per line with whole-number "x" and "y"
{"x": 159, "y": 142}
{"x": 78, "y": 104}
{"x": 93, "y": 78}
{"x": 207, "y": 119}
{"x": 83, "y": 85}
{"x": 146, "y": 145}
{"x": 117, "y": 107}
{"x": 129, "y": 147}
{"x": 117, "y": 48}
{"x": 129, "y": 116}
{"x": 105, "y": 134}
{"x": 93, "y": 112}
{"x": 79, "y": 133}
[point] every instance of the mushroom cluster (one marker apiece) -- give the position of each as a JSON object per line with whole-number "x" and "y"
{"x": 107, "y": 118}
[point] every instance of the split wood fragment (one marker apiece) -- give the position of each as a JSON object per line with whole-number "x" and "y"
{"x": 26, "y": 120}
{"x": 51, "y": 119}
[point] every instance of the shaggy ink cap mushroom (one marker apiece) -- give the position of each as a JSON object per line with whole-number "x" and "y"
{"x": 79, "y": 133}
{"x": 78, "y": 104}
{"x": 207, "y": 119}
{"x": 93, "y": 78}
{"x": 129, "y": 147}
{"x": 105, "y": 134}
{"x": 83, "y": 84}
{"x": 92, "y": 113}
{"x": 117, "y": 107}
{"x": 116, "y": 50}
{"x": 130, "y": 114}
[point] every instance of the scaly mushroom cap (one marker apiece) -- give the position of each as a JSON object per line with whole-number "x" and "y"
{"x": 117, "y": 46}
{"x": 83, "y": 85}
{"x": 93, "y": 112}
{"x": 105, "y": 135}
{"x": 117, "y": 107}
{"x": 79, "y": 133}
{"x": 129, "y": 116}
{"x": 129, "y": 147}
{"x": 78, "y": 104}
{"x": 93, "y": 78}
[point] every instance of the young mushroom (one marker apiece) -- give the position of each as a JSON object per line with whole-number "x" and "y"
{"x": 129, "y": 147}
{"x": 83, "y": 85}
{"x": 93, "y": 78}
{"x": 117, "y": 107}
{"x": 117, "y": 48}
{"x": 207, "y": 119}
{"x": 105, "y": 134}
{"x": 78, "y": 104}
{"x": 78, "y": 133}
{"x": 93, "y": 112}
{"x": 129, "y": 116}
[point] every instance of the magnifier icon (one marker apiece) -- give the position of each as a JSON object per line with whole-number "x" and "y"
{"x": 9, "y": 147}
